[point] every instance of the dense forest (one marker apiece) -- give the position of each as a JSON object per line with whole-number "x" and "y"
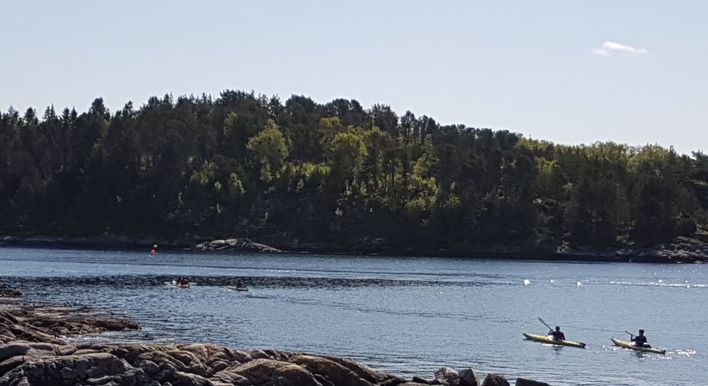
{"x": 300, "y": 172}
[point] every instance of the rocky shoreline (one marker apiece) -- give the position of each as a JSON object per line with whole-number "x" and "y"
{"x": 679, "y": 250}
{"x": 33, "y": 352}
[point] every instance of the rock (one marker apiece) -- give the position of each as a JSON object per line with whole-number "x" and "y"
{"x": 323, "y": 381}
{"x": 421, "y": 380}
{"x": 261, "y": 371}
{"x": 218, "y": 366}
{"x": 46, "y": 324}
{"x": 467, "y": 378}
{"x": 528, "y": 382}
{"x": 447, "y": 376}
{"x": 13, "y": 349}
{"x": 361, "y": 371}
{"x": 333, "y": 371}
{"x": 230, "y": 378}
{"x": 71, "y": 368}
{"x": 10, "y": 363}
{"x": 395, "y": 381}
{"x": 187, "y": 379}
{"x": 235, "y": 244}
{"x": 149, "y": 367}
{"x": 495, "y": 380}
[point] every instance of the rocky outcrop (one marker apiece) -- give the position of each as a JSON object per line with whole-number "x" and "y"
{"x": 238, "y": 245}
{"x": 49, "y": 324}
{"x": 24, "y": 363}
{"x": 187, "y": 365}
{"x": 193, "y": 365}
{"x": 680, "y": 250}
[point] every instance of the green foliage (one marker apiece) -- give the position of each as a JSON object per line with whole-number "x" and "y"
{"x": 246, "y": 164}
{"x": 270, "y": 149}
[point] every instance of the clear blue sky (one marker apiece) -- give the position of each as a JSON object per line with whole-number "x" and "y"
{"x": 568, "y": 71}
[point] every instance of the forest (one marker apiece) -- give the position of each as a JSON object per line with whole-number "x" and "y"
{"x": 298, "y": 172}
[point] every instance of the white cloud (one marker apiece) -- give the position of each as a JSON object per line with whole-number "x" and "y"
{"x": 609, "y": 47}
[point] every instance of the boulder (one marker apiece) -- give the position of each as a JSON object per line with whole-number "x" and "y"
{"x": 362, "y": 371}
{"x": 495, "y": 380}
{"x": 467, "y": 378}
{"x": 13, "y": 349}
{"x": 394, "y": 381}
{"x": 331, "y": 370}
{"x": 447, "y": 376}
{"x": 261, "y": 371}
{"x": 188, "y": 379}
{"x": 528, "y": 382}
{"x": 66, "y": 370}
{"x": 236, "y": 244}
{"x": 421, "y": 380}
{"x": 10, "y": 363}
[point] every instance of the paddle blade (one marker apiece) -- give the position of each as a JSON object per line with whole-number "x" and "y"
{"x": 544, "y": 323}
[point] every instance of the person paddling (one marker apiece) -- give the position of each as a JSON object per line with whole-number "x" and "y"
{"x": 239, "y": 284}
{"x": 557, "y": 334}
{"x": 639, "y": 340}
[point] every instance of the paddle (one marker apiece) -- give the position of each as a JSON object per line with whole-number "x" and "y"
{"x": 630, "y": 334}
{"x": 544, "y": 323}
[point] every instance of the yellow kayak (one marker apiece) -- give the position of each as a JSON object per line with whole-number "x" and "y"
{"x": 549, "y": 340}
{"x": 632, "y": 346}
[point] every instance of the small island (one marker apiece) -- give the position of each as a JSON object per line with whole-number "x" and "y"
{"x": 301, "y": 176}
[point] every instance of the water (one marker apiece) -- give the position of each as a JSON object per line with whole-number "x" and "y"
{"x": 406, "y": 316}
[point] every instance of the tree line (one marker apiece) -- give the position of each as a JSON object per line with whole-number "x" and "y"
{"x": 300, "y": 172}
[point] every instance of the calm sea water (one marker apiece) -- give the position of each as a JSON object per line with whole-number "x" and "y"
{"x": 407, "y": 316}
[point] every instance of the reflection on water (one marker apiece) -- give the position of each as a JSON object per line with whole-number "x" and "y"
{"x": 405, "y": 316}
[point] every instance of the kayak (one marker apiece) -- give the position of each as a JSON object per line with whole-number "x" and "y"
{"x": 174, "y": 283}
{"x": 632, "y": 346}
{"x": 549, "y": 340}
{"x": 239, "y": 288}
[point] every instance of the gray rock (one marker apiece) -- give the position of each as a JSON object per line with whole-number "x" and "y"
{"x": 528, "y": 382}
{"x": 421, "y": 380}
{"x": 187, "y": 379}
{"x": 395, "y": 381}
{"x": 495, "y": 380}
{"x": 467, "y": 378}
{"x": 13, "y": 349}
{"x": 262, "y": 371}
{"x": 333, "y": 371}
{"x": 447, "y": 376}
{"x": 67, "y": 373}
{"x": 149, "y": 367}
{"x": 10, "y": 363}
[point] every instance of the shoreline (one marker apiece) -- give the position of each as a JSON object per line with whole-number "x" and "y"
{"x": 33, "y": 351}
{"x": 682, "y": 250}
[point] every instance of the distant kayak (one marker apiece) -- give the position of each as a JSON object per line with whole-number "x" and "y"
{"x": 549, "y": 340}
{"x": 174, "y": 283}
{"x": 630, "y": 345}
{"x": 243, "y": 289}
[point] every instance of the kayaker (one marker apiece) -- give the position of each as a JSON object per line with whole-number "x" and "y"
{"x": 239, "y": 284}
{"x": 640, "y": 340}
{"x": 557, "y": 334}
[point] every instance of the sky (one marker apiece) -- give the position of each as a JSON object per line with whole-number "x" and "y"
{"x": 571, "y": 72}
